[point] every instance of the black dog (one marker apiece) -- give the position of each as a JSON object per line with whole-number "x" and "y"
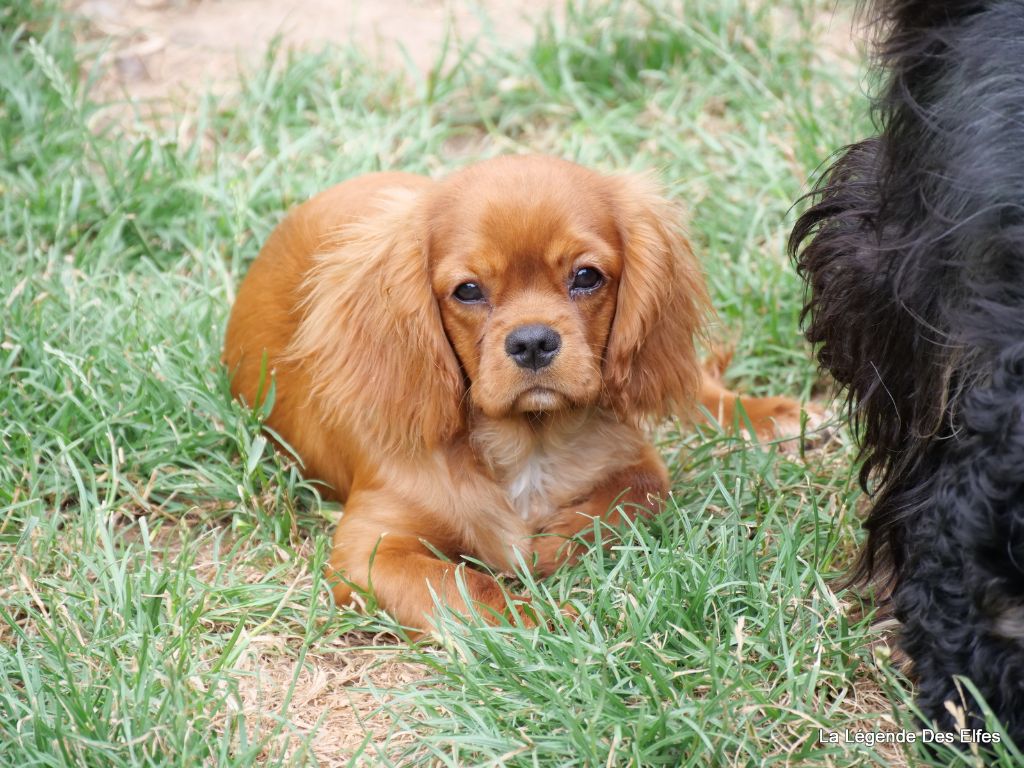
{"x": 913, "y": 253}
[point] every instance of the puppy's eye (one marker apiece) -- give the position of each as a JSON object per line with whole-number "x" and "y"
{"x": 468, "y": 293}
{"x": 586, "y": 279}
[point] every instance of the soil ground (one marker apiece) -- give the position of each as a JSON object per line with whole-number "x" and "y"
{"x": 178, "y": 48}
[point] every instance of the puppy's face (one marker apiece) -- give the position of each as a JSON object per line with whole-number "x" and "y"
{"x": 525, "y": 262}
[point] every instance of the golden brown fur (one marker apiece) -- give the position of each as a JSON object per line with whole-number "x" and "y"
{"x": 408, "y": 401}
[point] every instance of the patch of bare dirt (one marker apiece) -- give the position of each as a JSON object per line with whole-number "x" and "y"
{"x": 336, "y": 703}
{"x": 156, "y": 49}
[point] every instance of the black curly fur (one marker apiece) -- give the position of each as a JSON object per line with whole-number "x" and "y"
{"x": 913, "y": 253}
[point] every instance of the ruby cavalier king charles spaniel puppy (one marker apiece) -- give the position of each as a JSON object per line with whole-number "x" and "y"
{"x": 468, "y": 364}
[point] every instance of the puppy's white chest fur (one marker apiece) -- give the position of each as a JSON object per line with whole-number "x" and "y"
{"x": 528, "y": 486}
{"x": 548, "y": 465}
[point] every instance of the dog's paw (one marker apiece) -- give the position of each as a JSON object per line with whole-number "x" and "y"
{"x": 789, "y": 423}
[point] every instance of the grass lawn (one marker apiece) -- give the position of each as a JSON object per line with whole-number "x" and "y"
{"x": 161, "y": 601}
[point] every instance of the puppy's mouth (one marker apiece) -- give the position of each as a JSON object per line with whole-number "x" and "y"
{"x": 540, "y": 399}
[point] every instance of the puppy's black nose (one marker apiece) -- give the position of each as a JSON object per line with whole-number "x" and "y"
{"x": 533, "y": 346}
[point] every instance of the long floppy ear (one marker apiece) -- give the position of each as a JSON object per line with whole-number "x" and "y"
{"x": 651, "y": 364}
{"x": 371, "y": 336}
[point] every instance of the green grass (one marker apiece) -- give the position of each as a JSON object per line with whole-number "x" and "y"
{"x": 161, "y": 565}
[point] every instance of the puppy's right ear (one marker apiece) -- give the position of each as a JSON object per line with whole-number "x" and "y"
{"x": 372, "y": 338}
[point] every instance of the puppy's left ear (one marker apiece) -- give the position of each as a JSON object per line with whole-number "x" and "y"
{"x": 651, "y": 364}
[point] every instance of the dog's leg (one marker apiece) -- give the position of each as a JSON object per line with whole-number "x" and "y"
{"x": 636, "y": 492}
{"x": 771, "y": 417}
{"x": 390, "y": 551}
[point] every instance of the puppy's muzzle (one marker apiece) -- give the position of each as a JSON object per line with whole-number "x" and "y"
{"x": 533, "y": 346}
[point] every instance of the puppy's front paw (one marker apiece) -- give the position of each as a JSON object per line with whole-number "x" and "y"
{"x": 550, "y": 551}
